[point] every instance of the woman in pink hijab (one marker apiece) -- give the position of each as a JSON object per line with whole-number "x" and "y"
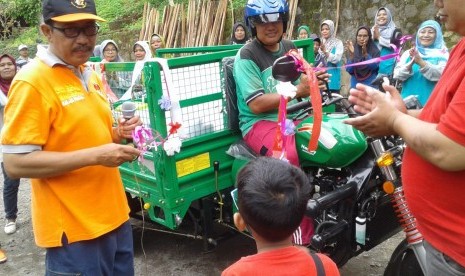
{"x": 8, "y": 71}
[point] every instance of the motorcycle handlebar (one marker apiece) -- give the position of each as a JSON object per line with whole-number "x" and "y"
{"x": 307, "y": 104}
{"x": 298, "y": 106}
{"x": 315, "y": 206}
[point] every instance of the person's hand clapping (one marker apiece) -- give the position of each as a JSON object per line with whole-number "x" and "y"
{"x": 364, "y": 49}
{"x": 380, "y": 109}
{"x": 350, "y": 48}
{"x": 376, "y": 33}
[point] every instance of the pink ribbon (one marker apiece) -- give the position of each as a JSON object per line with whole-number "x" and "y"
{"x": 396, "y": 55}
{"x": 144, "y": 140}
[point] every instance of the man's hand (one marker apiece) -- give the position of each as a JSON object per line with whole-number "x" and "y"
{"x": 126, "y": 126}
{"x": 113, "y": 155}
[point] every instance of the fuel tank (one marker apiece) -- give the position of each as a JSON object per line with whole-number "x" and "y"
{"x": 339, "y": 144}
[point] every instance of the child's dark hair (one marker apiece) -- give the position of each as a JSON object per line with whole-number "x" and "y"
{"x": 272, "y": 197}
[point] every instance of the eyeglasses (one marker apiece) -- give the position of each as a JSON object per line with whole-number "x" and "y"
{"x": 73, "y": 32}
{"x": 109, "y": 50}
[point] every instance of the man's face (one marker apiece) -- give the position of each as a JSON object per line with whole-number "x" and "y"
{"x": 7, "y": 69}
{"x": 24, "y": 53}
{"x": 270, "y": 33}
{"x": 72, "y": 50}
{"x": 452, "y": 15}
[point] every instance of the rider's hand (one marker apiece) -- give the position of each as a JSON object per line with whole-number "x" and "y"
{"x": 113, "y": 155}
{"x": 323, "y": 78}
{"x": 303, "y": 90}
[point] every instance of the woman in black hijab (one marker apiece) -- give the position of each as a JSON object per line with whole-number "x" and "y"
{"x": 363, "y": 49}
{"x": 239, "y": 34}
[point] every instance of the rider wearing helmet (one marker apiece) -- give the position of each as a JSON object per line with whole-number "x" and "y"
{"x": 257, "y": 97}
{"x": 255, "y": 86}
{"x": 266, "y": 11}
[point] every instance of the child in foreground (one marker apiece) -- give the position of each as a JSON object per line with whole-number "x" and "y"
{"x": 272, "y": 197}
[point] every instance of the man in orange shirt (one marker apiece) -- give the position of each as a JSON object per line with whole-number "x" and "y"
{"x": 59, "y": 132}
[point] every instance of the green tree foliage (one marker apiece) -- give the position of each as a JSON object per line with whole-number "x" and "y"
{"x": 29, "y": 10}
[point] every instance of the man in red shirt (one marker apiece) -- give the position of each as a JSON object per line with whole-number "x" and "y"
{"x": 433, "y": 170}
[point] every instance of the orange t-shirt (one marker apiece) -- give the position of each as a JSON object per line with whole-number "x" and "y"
{"x": 49, "y": 108}
{"x": 285, "y": 261}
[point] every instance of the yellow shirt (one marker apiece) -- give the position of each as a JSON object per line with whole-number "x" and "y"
{"x": 49, "y": 109}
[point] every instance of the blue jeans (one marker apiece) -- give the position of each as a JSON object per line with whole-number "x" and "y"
{"x": 440, "y": 264}
{"x": 109, "y": 254}
{"x": 10, "y": 195}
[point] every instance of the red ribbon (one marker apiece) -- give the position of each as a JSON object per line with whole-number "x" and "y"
{"x": 174, "y": 127}
{"x": 279, "y": 146}
{"x": 315, "y": 97}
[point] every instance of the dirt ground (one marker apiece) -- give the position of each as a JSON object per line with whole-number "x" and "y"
{"x": 158, "y": 253}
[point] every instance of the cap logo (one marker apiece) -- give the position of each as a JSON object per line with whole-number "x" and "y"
{"x": 80, "y": 4}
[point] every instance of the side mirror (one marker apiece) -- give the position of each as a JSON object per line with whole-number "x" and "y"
{"x": 285, "y": 69}
{"x": 396, "y": 37}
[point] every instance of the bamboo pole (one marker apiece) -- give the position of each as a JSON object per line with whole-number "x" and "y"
{"x": 219, "y": 29}
{"x": 214, "y": 33}
{"x": 172, "y": 25}
{"x": 167, "y": 19}
{"x": 223, "y": 21}
{"x": 205, "y": 29}
{"x": 157, "y": 23}
{"x": 152, "y": 23}
{"x": 182, "y": 35}
{"x": 232, "y": 14}
{"x": 188, "y": 24}
{"x": 201, "y": 22}
{"x": 144, "y": 14}
{"x": 191, "y": 27}
{"x": 338, "y": 3}
{"x": 291, "y": 23}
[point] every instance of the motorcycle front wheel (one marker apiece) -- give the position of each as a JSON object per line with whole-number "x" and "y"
{"x": 403, "y": 262}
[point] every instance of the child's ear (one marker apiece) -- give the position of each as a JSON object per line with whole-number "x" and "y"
{"x": 239, "y": 222}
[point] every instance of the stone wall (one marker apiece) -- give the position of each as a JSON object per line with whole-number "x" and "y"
{"x": 407, "y": 14}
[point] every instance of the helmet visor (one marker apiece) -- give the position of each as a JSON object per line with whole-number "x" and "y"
{"x": 267, "y": 18}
